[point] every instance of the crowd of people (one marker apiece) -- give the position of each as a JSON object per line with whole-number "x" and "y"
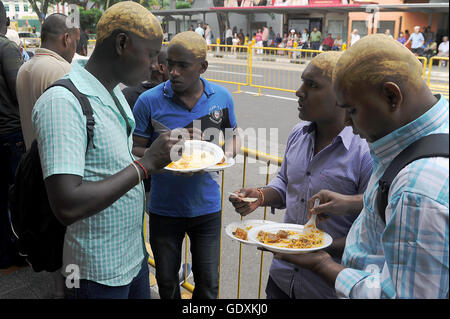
{"x": 424, "y": 43}
{"x": 266, "y": 41}
{"x": 348, "y": 135}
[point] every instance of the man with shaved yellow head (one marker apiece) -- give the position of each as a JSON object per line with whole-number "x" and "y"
{"x": 398, "y": 246}
{"x": 92, "y": 179}
{"x": 186, "y": 204}
{"x": 321, "y": 153}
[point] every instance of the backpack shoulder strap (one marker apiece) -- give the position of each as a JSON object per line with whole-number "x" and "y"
{"x": 85, "y": 106}
{"x": 434, "y": 145}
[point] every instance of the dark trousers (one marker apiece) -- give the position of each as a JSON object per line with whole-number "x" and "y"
{"x": 11, "y": 149}
{"x": 229, "y": 42}
{"x": 274, "y": 292}
{"x": 315, "y": 45}
{"x": 138, "y": 288}
{"x": 166, "y": 239}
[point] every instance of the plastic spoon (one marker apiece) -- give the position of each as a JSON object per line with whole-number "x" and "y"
{"x": 311, "y": 224}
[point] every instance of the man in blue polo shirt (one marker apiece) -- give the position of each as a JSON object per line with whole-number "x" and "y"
{"x": 186, "y": 204}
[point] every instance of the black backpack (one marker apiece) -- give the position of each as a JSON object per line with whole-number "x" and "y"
{"x": 434, "y": 145}
{"x": 39, "y": 234}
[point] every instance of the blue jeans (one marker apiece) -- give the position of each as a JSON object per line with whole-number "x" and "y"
{"x": 166, "y": 239}
{"x": 138, "y": 288}
{"x": 12, "y": 148}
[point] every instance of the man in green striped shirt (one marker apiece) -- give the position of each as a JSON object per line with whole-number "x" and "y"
{"x": 97, "y": 192}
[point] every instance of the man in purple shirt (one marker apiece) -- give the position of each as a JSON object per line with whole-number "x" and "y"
{"x": 320, "y": 154}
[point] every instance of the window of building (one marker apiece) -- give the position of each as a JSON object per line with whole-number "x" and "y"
{"x": 384, "y": 25}
{"x": 25, "y": 7}
{"x": 335, "y": 27}
{"x": 16, "y": 7}
{"x": 361, "y": 26}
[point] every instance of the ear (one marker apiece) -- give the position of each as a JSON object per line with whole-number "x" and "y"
{"x": 66, "y": 39}
{"x": 161, "y": 68}
{"x": 121, "y": 43}
{"x": 393, "y": 95}
{"x": 204, "y": 66}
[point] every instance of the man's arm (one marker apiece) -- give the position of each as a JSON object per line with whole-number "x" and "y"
{"x": 11, "y": 62}
{"x": 271, "y": 198}
{"x": 407, "y": 41}
{"x": 335, "y": 203}
{"x": 319, "y": 262}
{"x": 139, "y": 145}
{"x": 73, "y": 199}
{"x": 60, "y": 130}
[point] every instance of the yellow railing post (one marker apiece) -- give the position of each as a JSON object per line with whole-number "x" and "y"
{"x": 240, "y": 244}
{"x": 424, "y": 68}
{"x": 262, "y": 252}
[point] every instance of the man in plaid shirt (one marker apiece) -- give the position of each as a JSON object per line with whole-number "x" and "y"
{"x": 405, "y": 256}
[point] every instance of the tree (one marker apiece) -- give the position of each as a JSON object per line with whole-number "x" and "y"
{"x": 89, "y": 19}
{"x": 42, "y": 10}
{"x": 222, "y": 18}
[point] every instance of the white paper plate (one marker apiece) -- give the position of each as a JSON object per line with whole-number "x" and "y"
{"x": 216, "y": 168}
{"x": 231, "y": 228}
{"x": 204, "y": 146}
{"x": 274, "y": 228}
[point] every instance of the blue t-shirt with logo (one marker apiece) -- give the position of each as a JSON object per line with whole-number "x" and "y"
{"x": 178, "y": 195}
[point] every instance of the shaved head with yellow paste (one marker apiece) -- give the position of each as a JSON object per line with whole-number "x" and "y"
{"x": 376, "y": 59}
{"x": 191, "y": 41}
{"x": 128, "y": 16}
{"x": 326, "y": 62}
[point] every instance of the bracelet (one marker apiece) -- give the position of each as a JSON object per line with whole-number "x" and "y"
{"x": 138, "y": 172}
{"x": 143, "y": 168}
{"x": 262, "y": 196}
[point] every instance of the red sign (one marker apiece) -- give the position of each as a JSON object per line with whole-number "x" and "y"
{"x": 325, "y": 2}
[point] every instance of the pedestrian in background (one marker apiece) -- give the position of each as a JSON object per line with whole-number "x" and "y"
{"x": 11, "y": 140}
{"x": 51, "y": 61}
{"x": 401, "y": 38}
{"x": 315, "y": 38}
{"x": 355, "y": 37}
{"x": 417, "y": 40}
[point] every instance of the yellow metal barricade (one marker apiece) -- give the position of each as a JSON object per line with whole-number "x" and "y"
{"x": 278, "y": 68}
{"x": 229, "y": 64}
{"x": 424, "y": 63}
{"x": 440, "y": 84}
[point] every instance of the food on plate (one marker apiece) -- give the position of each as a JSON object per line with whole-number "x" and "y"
{"x": 292, "y": 239}
{"x": 223, "y": 162}
{"x": 192, "y": 160}
{"x": 242, "y": 233}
